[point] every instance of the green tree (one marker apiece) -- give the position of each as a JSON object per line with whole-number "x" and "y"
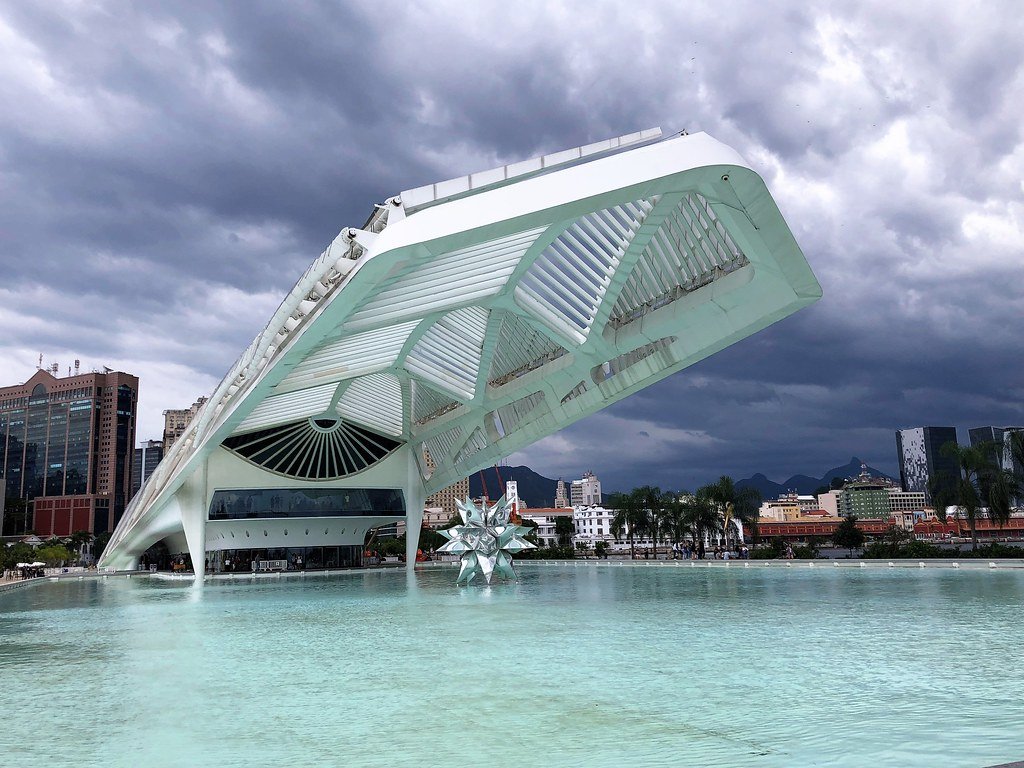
{"x": 848, "y": 535}
{"x": 734, "y": 503}
{"x": 674, "y": 521}
{"x": 99, "y": 544}
{"x": 630, "y": 517}
{"x": 895, "y": 538}
{"x": 702, "y": 517}
{"x": 430, "y": 539}
{"x": 980, "y": 474}
{"x": 54, "y": 554}
{"x": 601, "y": 549}
{"x": 564, "y": 531}
{"x": 653, "y": 503}
{"x": 531, "y": 535}
{"x": 79, "y": 541}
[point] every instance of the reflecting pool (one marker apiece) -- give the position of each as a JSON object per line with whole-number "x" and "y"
{"x": 571, "y": 666}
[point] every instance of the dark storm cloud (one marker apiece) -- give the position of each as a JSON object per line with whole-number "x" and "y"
{"x": 167, "y": 170}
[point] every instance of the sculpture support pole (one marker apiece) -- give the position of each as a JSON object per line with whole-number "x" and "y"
{"x": 414, "y": 500}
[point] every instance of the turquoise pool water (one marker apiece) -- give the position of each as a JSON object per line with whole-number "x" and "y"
{"x": 571, "y": 666}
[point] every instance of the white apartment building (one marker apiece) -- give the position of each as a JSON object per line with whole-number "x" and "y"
{"x": 585, "y": 491}
{"x": 906, "y": 501}
{"x": 545, "y": 518}
{"x": 592, "y": 523}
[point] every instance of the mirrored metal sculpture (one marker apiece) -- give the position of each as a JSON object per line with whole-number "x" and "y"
{"x": 486, "y": 540}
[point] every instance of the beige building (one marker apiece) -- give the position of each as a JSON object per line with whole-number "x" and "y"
{"x": 177, "y": 421}
{"x": 830, "y": 502}
{"x": 443, "y": 500}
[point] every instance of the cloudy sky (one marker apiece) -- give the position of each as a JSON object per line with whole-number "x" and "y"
{"x": 167, "y": 170}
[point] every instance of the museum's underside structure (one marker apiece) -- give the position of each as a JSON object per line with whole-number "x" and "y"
{"x": 463, "y": 321}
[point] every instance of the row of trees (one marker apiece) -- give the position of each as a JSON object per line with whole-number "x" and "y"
{"x": 981, "y": 482}
{"x": 676, "y": 516}
{"x": 54, "y": 552}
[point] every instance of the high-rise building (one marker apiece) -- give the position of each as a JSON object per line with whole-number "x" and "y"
{"x": 147, "y": 456}
{"x": 921, "y": 459}
{"x": 66, "y": 449}
{"x": 1003, "y": 453}
{"x": 865, "y": 498}
{"x": 586, "y": 490}
{"x": 446, "y": 497}
{"x": 177, "y": 421}
{"x": 561, "y": 495}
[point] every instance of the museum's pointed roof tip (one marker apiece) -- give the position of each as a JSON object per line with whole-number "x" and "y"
{"x": 436, "y": 344}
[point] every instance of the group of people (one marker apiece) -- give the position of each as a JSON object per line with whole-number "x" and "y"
{"x": 687, "y": 551}
{"x": 25, "y": 572}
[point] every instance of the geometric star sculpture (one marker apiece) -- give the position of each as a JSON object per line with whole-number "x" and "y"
{"x": 486, "y": 540}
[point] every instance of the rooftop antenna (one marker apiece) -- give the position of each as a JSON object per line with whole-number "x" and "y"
{"x": 54, "y": 368}
{"x": 78, "y": 363}
{"x": 39, "y": 365}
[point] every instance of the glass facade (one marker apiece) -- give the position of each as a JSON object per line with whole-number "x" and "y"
{"x": 68, "y": 437}
{"x": 297, "y": 558}
{"x": 305, "y": 502}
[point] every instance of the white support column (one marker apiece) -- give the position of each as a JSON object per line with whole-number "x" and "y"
{"x": 191, "y": 498}
{"x": 415, "y": 496}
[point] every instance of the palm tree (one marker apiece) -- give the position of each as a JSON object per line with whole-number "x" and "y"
{"x": 702, "y": 517}
{"x": 734, "y": 503}
{"x": 981, "y": 479}
{"x": 630, "y": 517}
{"x": 653, "y": 501}
{"x": 673, "y": 521}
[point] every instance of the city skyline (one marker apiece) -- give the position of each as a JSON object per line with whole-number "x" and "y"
{"x": 188, "y": 181}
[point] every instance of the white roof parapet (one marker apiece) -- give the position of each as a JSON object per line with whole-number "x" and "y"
{"x": 470, "y": 318}
{"x": 431, "y": 194}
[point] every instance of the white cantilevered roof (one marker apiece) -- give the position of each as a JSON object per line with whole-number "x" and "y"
{"x": 471, "y": 317}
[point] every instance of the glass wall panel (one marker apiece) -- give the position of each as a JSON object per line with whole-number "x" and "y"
{"x": 305, "y": 502}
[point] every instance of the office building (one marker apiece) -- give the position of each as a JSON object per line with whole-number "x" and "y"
{"x": 561, "y": 495}
{"x": 865, "y": 499}
{"x": 922, "y": 462}
{"x": 66, "y": 449}
{"x": 586, "y": 490}
{"x": 147, "y": 456}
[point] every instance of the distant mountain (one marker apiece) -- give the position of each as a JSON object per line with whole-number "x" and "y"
{"x": 805, "y": 484}
{"x": 536, "y": 490}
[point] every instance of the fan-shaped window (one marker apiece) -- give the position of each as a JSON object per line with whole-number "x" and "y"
{"x": 319, "y": 448}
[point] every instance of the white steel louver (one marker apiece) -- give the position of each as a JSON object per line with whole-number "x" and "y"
{"x": 565, "y": 285}
{"x": 448, "y": 353}
{"x": 509, "y": 418}
{"x": 442, "y": 445}
{"x": 466, "y": 274}
{"x": 429, "y": 404}
{"x": 521, "y": 348}
{"x": 280, "y": 409}
{"x": 349, "y": 357}
{"x": 374, "y": 401}
{"x": 690, "y": 249}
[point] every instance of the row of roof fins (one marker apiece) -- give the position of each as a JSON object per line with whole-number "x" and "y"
{"x": 443, "y": 191}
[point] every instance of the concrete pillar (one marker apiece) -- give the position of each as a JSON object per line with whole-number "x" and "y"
{"x": 415, "y": 497}
{"x": 191, "y": 499}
